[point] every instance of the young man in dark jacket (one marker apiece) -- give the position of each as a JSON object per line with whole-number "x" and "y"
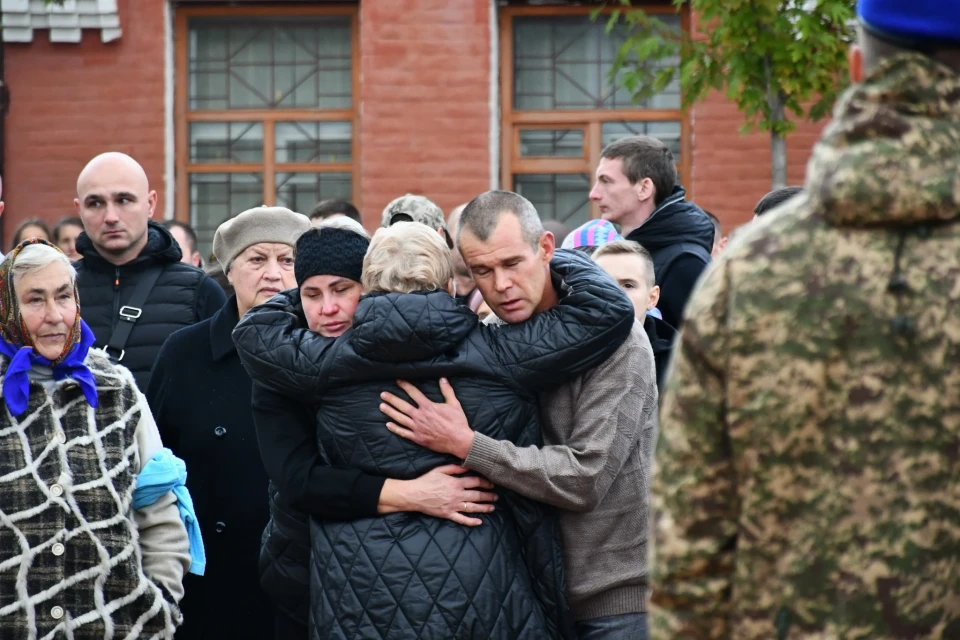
{"x": 121, "y": 249}
{"x": 637, "y": 188}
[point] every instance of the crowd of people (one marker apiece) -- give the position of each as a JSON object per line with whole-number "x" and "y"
{"x": 486, "y": 425}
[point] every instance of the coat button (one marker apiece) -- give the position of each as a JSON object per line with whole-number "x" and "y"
{"x": 56, "y": 613}
{"x": 56, "y": 491}
{"x": 61, "y": 437}
{"x": 57, "y": 549}
{"x": 220, "y": 527}
{"x": 219, "y": 432}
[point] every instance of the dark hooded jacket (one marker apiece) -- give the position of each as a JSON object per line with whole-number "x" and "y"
{"x": 679, "y": 236}
{"x": 182, "y": 296}
{"x": 408, "y": 575}
{"x": 661, "y": 337}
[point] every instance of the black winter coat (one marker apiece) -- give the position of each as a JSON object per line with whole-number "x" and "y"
{"x": 182, "y": 296}
{"x": 300, "y": 484}
{"x": 661, "y": 337}
{"x": 679, "y": 237}
{"x": 407, "y": 575}
{"x": 200, "y": 396}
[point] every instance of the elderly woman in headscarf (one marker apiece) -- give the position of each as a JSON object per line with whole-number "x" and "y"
{"x": 84, "y": 553}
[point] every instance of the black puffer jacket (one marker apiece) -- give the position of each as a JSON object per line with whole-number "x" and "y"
{"x": 679, "y": 237}
{"x": 182, "y": 296}
{"x": 407, "y": 575}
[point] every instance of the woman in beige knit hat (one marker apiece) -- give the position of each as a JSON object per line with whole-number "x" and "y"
{"x": 200, "y": 396}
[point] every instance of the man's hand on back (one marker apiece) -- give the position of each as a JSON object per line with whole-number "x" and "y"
{"x": 439, "y": 427}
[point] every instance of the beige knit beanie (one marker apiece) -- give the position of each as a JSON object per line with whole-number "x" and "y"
{"x": 253, "y": 226}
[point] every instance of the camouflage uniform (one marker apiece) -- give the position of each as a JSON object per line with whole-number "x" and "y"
{"x": 808, "y": 478}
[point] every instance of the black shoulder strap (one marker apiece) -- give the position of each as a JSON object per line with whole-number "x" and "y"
{"x": 130, "y": 313}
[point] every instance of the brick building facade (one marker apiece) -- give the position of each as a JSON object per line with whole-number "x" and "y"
{"x": 230, "y": 105}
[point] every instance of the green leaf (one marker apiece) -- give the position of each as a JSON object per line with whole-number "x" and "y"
{"x": 749, "y": 49}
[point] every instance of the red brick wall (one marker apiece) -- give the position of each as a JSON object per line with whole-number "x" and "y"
{"x": 731, "y": 172}
{"x": 425, "y": 100}
{"x": 69, "y": 102}
{"x": 425, "y": 114}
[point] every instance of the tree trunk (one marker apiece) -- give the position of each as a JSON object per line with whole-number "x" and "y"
{"x": 778, "y": 159}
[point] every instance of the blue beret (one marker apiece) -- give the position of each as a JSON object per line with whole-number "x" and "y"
{"x": 919, "y": 22}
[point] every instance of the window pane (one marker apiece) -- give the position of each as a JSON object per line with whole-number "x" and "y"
{"x": 564, "y": 62}
{"x": 226, "y": 142}
{"x": 217, "y": 197}
{"x": 563, "y": 197}
{"x": 301, "y": 191}
{"x": 567, "y": 143}
{"x": 263, "y": 63}
{"x": 314, "y": 141}
{"x": 667, "y": 132}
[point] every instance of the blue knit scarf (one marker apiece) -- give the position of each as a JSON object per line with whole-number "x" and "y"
{"x": 16, "y": 382}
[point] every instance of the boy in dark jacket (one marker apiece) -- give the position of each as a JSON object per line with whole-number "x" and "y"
{"x": 632, "y": 267}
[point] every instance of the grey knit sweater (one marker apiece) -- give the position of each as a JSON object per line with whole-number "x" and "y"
{"x": 599, "y": 434}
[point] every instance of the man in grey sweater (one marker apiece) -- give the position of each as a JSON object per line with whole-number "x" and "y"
{"x": 599, "y": 430}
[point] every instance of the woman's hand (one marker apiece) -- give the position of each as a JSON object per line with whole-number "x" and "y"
{"x": 440, "y": 493}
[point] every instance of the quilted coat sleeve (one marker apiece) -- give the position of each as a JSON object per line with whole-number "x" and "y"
{"x": 286, "y": 433}
{"x": 276, "y": 349}
{"x": 593, "y": 319}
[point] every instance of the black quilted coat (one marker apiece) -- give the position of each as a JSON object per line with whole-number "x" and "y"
{"x": 408, "y": 575}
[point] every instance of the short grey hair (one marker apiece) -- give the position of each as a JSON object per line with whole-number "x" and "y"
{"x": 345, "y": 223}
{"x": 482, "y": 214}
{"x": 407, "y": 257}
{"x": 35, "y": 257}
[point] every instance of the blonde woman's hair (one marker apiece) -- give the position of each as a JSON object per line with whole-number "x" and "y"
{"x": 407, "y": 257}
{"x": 35, "y": 257}
{"x": 343, "y": 222}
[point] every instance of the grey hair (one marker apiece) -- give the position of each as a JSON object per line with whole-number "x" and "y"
{"x": 35, "y": 257}
{"x": 482, "y": 214}
{"x": 345, "y": 223}
{"x": 407, "y": 257}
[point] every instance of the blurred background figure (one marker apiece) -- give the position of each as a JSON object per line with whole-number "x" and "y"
{"x": 186, "y": 237}
{"x": 331, "y": 208}
{"x": 65, "y": 236}
{"x": 30, "y": 228}
{"x": 719, "y": 240}
{"x": 590, "y": 235}
{"x": 557, "y": 228}
{"x": 215, "y": 272}
{"x": 467, "y": 292}
{"x": 774, "y": 199}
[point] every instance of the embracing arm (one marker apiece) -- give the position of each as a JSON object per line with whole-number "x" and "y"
{"x": 286, "y": 434}
{"x": 277, "y": 351}
{"x": 591, "y": 321}
{"x": 694, "y": 490}
{"x": 615, "y": 410}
